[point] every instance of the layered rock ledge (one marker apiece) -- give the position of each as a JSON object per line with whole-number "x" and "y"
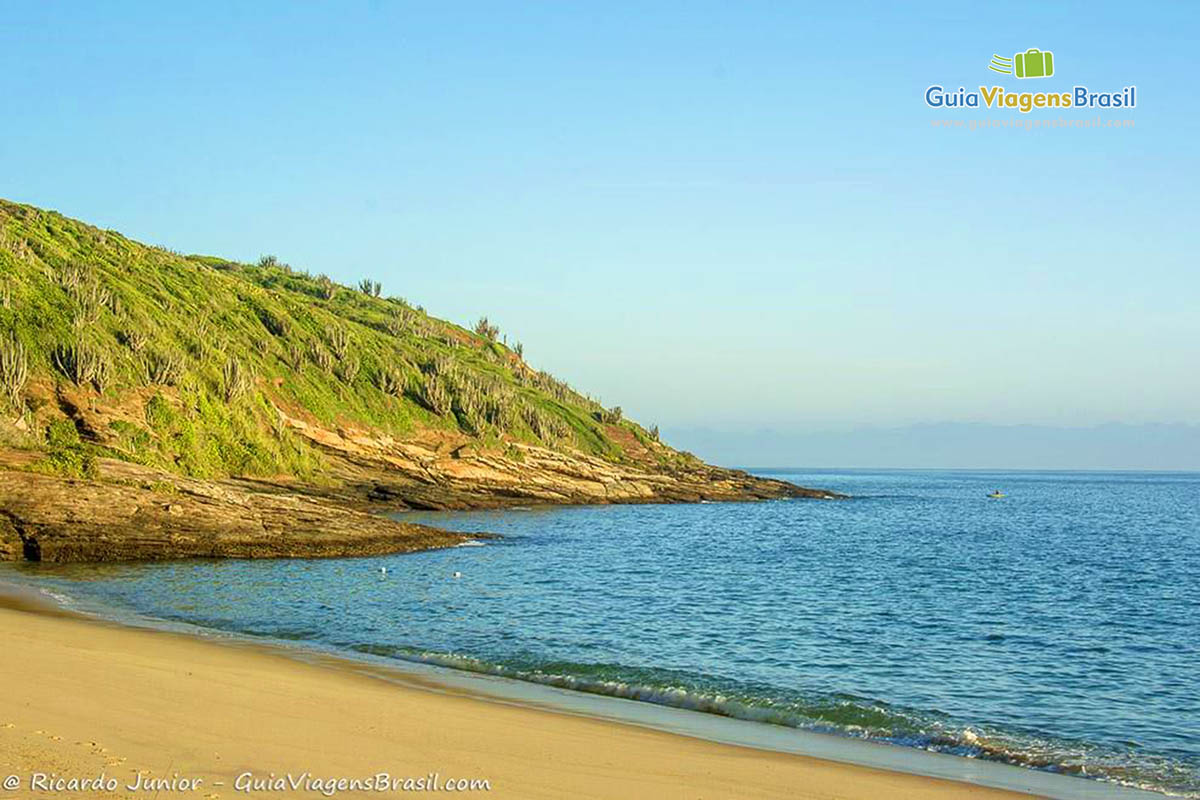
{"x": 138, "y": 514}
{"x": 131, "y": 512}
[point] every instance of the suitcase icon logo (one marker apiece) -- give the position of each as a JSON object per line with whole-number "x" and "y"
{"x": 1033, "y": 63}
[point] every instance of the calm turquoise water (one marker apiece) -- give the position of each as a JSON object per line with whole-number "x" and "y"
{"x": 1058, "y": 628}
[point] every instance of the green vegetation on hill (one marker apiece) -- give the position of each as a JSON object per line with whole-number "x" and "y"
{"x": 196, "y": 355}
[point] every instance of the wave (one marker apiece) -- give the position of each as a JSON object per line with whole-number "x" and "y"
{"x": 839, "y": 714}
{"x": 831, "y": 713}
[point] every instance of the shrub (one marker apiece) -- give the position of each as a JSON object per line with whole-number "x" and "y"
{"x": 369, "y": 287}
{"x": 135, "y": 340}
{"x": 66, "y": 453}
{"x": 159, "y": 414}
{"x": 14, "y": 368}
{"x": 486, "y": 329}
{"x": 609, "y": 416}
{"x": 276, "y": 324}
{"x": 326, "y": 288}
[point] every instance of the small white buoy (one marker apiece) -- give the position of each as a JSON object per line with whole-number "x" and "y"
{"x": 456, "y": 575}
{"x": 383, "y": 570}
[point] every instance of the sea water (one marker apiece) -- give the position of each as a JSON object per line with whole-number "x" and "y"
{"x": 1057, "y": 628}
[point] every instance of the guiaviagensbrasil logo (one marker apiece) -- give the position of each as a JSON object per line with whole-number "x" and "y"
{"x": 1031, "y": 63}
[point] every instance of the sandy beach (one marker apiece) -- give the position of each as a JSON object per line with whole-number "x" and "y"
{"x": 85, "y": 699}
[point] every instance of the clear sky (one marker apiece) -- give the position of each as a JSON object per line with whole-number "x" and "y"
{"x": 725, "y": 216}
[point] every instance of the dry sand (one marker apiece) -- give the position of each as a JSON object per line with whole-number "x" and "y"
{"x": 81, "y": 698}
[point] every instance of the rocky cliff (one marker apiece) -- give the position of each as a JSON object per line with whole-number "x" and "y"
{"x": 160, "y": 405}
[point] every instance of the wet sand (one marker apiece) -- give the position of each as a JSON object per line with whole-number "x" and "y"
{"x": 84, "y": 699}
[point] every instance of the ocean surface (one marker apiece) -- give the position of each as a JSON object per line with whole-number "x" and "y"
{"x": 1057, "y": 628}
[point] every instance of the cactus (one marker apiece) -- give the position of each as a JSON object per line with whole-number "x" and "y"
{"x": 163, "y": 369}
{"x": 71, "y": 277}
{"x": 430, "y": 392}
{"x": 339, "y": 342}
{"x": 347, "y": 370}
{"x": 135, "y": 340}
{"x": 369, "y": 287}
{"x": 235, "y": 380}
{"x": 14, "y": 368}
{"x": 398, "y": 322}
{"x": 548, "y": 427}
{"x": 82, "y": 365}
{"x": 389, "y": 382}
{"x": 295, "y": 356}
{"x": 438, "y": 365}
{"x": 321, "y": 357}
{"x": 90, "y": 299}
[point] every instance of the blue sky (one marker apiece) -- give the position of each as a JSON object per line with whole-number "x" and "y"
{"x": 727, "y": 216}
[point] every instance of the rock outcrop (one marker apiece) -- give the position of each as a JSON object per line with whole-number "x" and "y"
{"x": 442, "y": 471}
{"x": 132, "y": 513}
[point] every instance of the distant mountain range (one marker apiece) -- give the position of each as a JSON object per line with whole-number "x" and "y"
{"x": 955, "y": 446}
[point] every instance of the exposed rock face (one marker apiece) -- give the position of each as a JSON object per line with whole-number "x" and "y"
{"x": 440, "y": 471}
{"x": 137, "y": 514}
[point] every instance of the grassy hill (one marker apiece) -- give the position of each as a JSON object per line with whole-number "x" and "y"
{"x": 194, "y": 357}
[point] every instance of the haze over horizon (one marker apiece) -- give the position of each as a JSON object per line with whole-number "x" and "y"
{"x": 728, "y": 221}
{"x": 1112, "y": 447}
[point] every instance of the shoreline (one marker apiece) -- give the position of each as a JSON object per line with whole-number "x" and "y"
{"x": 94, "y": 657}
{"x": 207, "y": 713}
{"x": 129, "y": 512}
